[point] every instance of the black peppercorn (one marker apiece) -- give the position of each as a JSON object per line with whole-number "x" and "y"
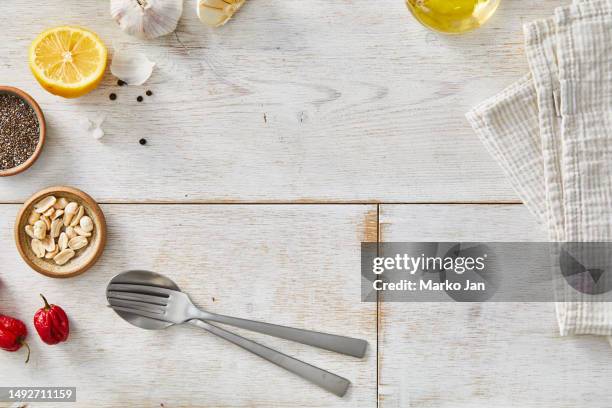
{"x": 149, "y": 93}
{"x": 143, "y": 141}
{"x": 112, "y": 96}
{"x": 139, "y": 99}
{"x": 121, "y": 83}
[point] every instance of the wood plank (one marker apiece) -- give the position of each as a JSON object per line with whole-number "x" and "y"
{"x": 271, "y": 263}
{"x": 291, "y": 101}
{"x": 481, "y": 355}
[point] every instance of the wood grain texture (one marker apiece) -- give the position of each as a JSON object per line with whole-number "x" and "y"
{"x": 291, "y": 101}
{"x": 488, "y": 354}
{"x": 270, "y": 263}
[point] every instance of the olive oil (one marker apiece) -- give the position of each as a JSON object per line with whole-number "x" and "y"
{"x": 452, "y": 16}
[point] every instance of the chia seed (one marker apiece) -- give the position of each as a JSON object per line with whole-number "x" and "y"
{"x": 19, "y": 131}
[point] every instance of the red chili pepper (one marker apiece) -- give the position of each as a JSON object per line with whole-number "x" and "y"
{"x": 51, "y": 323}
{"x": 13, "y": 334}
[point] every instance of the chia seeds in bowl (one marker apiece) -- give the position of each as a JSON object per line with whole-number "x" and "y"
{"x": 22, "y": 131}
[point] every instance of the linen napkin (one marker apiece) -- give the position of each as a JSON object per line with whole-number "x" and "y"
{"x": 584, "y": 53}
{"x": 540, "y": 47}
{"x": 551, "y": 133}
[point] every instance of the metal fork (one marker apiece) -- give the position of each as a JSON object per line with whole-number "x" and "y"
{"x": 176, "y": 307}
{"x": 169, "y": 305}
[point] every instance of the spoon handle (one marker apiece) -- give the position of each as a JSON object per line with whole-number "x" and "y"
{"x": 339, "y": 344}
{"x": 324, "y": 379}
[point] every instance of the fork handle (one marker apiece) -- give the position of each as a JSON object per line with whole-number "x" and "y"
{"x": 324, "y": 379}
{"x": 339, "y": 344}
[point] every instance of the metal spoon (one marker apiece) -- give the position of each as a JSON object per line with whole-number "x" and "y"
{"x": 325, "y": 379}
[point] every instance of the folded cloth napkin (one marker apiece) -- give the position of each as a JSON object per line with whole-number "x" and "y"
{"x": 551, "y": 132}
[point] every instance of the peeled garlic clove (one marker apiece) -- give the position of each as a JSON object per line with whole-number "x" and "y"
{"x": 215, "y": 13}
{"x": 57, "y": 214}
{"x": 133, "y": 68}
{"x": 147, "y": 19}
{"x": 44, "y": 204}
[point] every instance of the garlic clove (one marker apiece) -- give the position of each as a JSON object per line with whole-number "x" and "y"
{"x": 215, "y": 13}
{"x": 132, "y": 68}
{"x": 147, "y": 19}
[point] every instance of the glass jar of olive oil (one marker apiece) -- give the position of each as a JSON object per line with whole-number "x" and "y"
{"x": 452, "y": 16}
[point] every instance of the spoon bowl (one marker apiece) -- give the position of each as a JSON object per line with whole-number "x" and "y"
{"x": 143, "y": 277}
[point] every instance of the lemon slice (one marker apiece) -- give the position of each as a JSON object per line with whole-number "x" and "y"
{"x": 68, "y": 61}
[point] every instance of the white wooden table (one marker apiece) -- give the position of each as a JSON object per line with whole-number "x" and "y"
{"x": 277, "y": 144}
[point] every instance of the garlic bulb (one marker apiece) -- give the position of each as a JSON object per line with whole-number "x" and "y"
{"x": 147, "y": 19}
{"x": 215, "y": 13}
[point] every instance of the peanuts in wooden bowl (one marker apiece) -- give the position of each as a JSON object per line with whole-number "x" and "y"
{"x": 60, "y": 232}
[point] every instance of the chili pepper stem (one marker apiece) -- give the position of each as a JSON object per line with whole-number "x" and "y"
{"x": 47, "y": 306}
{"x": 25, "y": 343}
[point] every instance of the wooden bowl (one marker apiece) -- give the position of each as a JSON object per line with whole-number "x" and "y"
{"x": 43, "y": 130}
{"x": 85, "y": 257}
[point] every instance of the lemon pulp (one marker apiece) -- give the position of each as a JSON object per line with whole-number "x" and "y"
{"x": 453, "y": 16}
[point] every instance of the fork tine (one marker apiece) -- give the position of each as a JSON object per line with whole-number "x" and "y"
{"x": 156, "y": 300}
{"x": 139, "y": 313}
{"x": 145, "y": 307}
{"x": 151, "y": 290}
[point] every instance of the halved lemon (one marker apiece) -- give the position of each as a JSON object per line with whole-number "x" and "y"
{"x": 68, "y": 61}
